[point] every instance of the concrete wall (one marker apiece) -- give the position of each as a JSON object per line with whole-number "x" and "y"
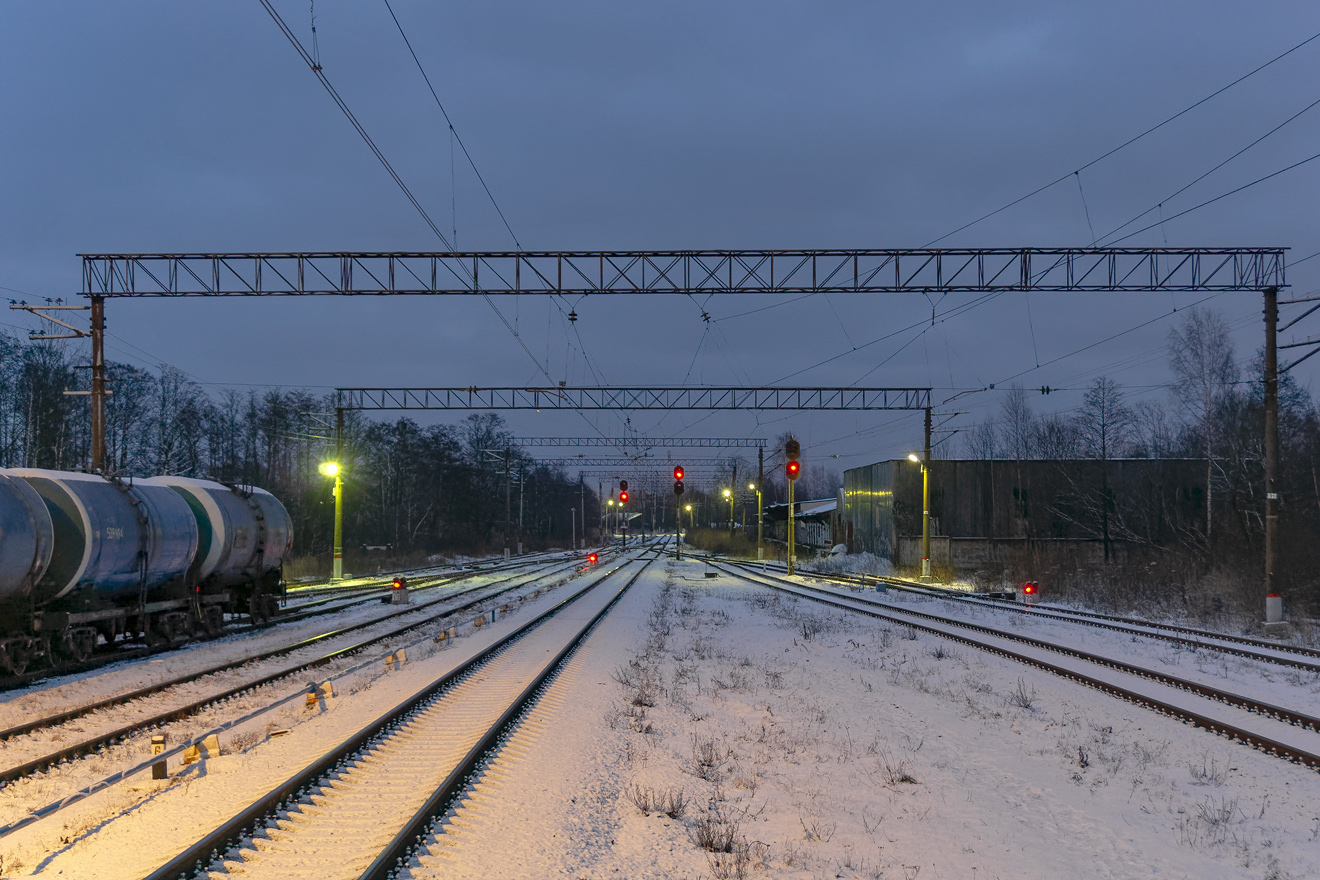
{"x": 1074, "y": 506}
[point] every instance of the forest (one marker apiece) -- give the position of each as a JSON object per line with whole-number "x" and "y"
{"x": 1211, "y": 410}
{"x": 420, "y": 490}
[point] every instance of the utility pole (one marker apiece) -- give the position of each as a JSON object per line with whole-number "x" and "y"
{"x": 508, "y": 509}
{"x": 98, "y": 383}
{"x": 97, "y": 333}
{"x": 733, "y": 493}
{"x": 582, "y": 502}
{"x": 572, "y": 540}
{"x": 760, "y": 485}
{"x": 338, "y": 570}
{"x": 1273, "y": 599}
{"x": 925, "y": 506}
{"x": 522, "y": 490}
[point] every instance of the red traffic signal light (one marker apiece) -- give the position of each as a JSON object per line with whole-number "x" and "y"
{"x": 1030, "y": 588}
{"x": 678, "y": 473}
{"x": 592, "y": 558}
{"x": 623, "y": 497}
{"x": 792, "y": 469}
{"x": 400, "y": 583}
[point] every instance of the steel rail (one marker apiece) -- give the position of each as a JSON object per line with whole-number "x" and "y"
{"x": 1215, "y": 725}
{"x": 195, "y": 857}
{"x": 1100, "y": 620}
{"x": 414, "y": 832}
{"x": 68, "y": 715}
{"x": 104, "y": 658}
{"x": 17, "y": 772}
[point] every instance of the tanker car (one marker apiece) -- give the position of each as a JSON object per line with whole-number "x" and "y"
{"x": 86, "y": 558}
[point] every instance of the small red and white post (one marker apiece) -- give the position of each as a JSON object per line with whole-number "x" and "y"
{"x": 1273, "y": 608}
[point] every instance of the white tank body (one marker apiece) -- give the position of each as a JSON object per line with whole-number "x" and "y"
{"x": 26, "y": 538}
{"x": 244, "y": 533}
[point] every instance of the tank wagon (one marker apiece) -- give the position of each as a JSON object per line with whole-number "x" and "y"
{"x": 86, "y": 557}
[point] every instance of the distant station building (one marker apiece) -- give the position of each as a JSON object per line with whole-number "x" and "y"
{"x": 989, "y": 513}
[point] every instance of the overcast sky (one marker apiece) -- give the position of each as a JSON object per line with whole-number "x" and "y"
{"x": 165, "y": 126}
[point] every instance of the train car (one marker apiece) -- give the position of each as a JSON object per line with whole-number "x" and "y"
{"x": 244, "y": 539}
{"x": 86, "y": 557}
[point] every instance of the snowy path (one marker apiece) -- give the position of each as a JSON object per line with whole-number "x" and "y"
{"x": 816, "y": 743}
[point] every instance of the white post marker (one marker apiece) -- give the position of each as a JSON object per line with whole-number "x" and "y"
{"x": 157, "y": 748}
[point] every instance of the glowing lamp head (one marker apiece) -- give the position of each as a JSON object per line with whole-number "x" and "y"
{"x": 678, "y": 473}
{"x": 912, "y": 456}
{"x": 727, "y": 493}
{"x": 329, "y": 468}
{"x": 688, "y": 508}
{"x": 751, "y": 486}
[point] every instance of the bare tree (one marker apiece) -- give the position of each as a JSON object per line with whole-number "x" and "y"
{"x": 1105, "y": 423}
{"x": 1056, "y": 438}
{"x": 1152, "y": 434}
{"x": 1019, "y": 424}
{"x": 1204, "y": 368}
{"x": 982, "y": 441}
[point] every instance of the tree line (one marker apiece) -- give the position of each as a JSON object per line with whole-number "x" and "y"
{"x": 1212, "y": 411}
{"x": 416, "y": 489}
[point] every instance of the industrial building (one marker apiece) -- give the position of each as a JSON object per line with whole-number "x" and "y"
{"x": 985, "y": 512}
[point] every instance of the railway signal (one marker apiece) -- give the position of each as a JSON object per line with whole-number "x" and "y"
{"x": 1029, "y": 591}
{"x": 678, "y": 516}
{"x": 623, "y": 497}
{"x": 591, "y": 558}
{"x": 792, "y": 469}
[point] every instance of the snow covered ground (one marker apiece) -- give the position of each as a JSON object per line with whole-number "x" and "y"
{"x": 807, "y": 743}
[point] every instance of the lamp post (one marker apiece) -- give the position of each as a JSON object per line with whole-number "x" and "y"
{"x": 728, "y": 493}
{"x": 925, "y": 513}
{"x": 760, "y": 553}
{"x": 331, "y": 469}
{"x": 691, "y": 524}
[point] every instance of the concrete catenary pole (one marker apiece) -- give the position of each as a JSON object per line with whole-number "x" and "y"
{"x": 760, "y": 486}
{"x": 925, "y": 505}
{"x": 98, "y": 383}
{"x": 1273, "y": 598}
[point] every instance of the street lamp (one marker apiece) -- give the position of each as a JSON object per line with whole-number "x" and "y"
{"x": 728, "y": 493}
{"x": 691, "y": 524}
{"x": 925, "y": 514}
{"x": 331, "y": 469}
{"x": 760, "y": 554}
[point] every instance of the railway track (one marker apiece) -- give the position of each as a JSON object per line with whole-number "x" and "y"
{"x": 302, "y": 611}
{"x": 1279, "y": 653}
{"x": 1275, "y": 730}
{"x": 358, "y": 811}
{"x": 485, "y": 596}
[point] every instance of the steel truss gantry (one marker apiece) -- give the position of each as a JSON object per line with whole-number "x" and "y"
{"x": 574, "y": 273}
{"x": 611, "y": 398}
{"x": 644, "y": 442}
{"x": 655, "y": 464}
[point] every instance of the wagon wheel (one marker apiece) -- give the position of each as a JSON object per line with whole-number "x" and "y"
{"x": 15, "y": 655}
